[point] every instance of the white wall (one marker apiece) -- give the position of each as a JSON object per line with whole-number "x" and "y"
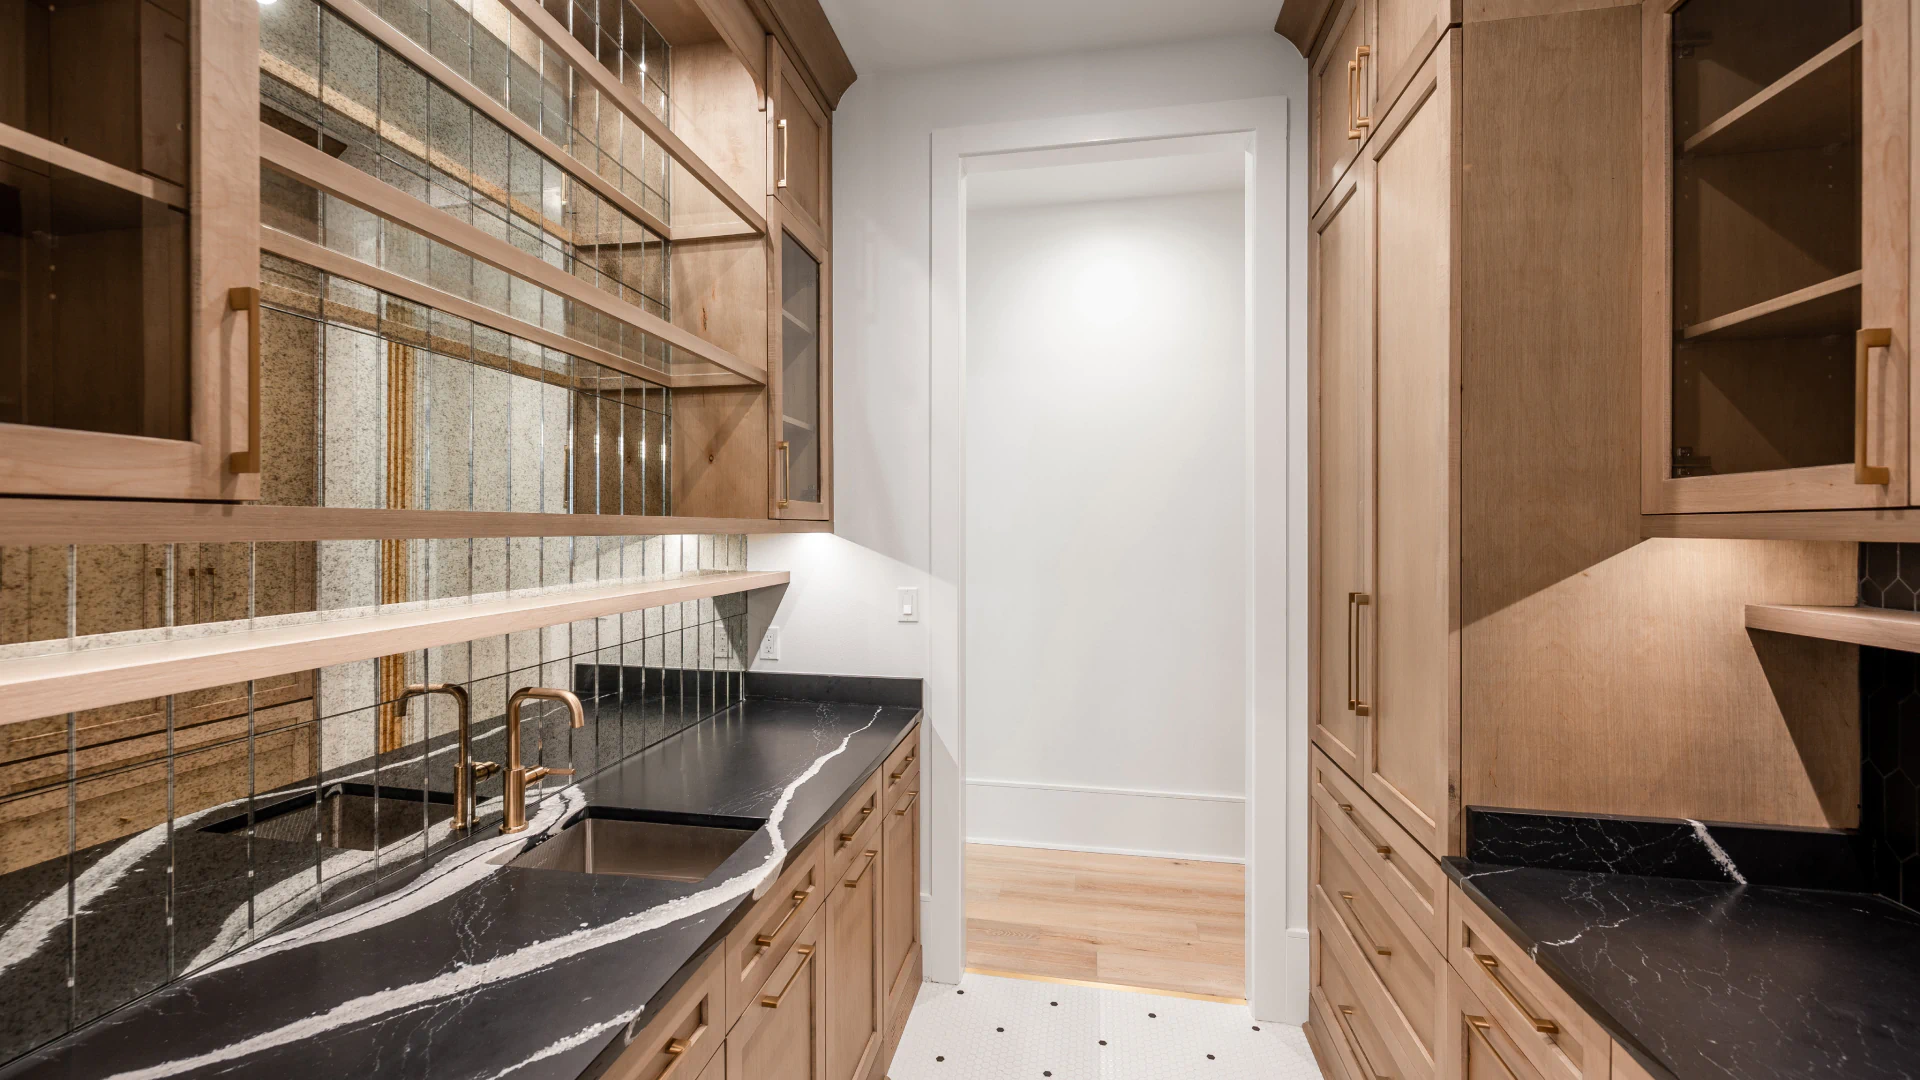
{"x": 1106, "y": 526}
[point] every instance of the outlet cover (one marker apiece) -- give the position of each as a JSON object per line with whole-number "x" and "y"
{"x": 770, "y": 645}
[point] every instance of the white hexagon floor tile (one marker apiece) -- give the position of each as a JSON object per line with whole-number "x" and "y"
{"x": 990, "y": 1028}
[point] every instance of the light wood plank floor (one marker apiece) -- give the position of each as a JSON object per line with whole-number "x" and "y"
{"x": 1159, "y": 924}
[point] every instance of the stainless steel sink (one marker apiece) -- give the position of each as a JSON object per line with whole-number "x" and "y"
{"x": 353, "y": 817}
{"x": 669, "y": 850}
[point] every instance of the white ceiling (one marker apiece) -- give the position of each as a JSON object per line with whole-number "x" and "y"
{"x": 1095, "y": 181}
{"x": 888, "y": 35}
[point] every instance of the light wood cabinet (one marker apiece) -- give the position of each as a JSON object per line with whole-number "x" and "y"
{"x": 1367, "y": 53}
{"x": 1777, "y": 200}
{"x": 130, "y": 267}
{"x": 1477, "y": 1047}
{"x": 685, "y": 1035}
{"x": 802, "y": 378}
{"x": 1551, "y": 1033}
{"x": 856, "y": 1004}
{"x": 781, "y": 1031}
{"x": 900, "y": 899}
{"x": 1386, "y": 340}
{"x": 800, "y": 161}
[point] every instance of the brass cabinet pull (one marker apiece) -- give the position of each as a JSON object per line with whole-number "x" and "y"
{"x": 1380, "y": 848}
{"x": 677, "y": 1050}
{"x": 854, "y": 881}
{"x": 1491, "y": 965}
{"x": 248, "y": 300}
{"x": 904, "y": 766}
{"x": 1353, "y": 70}
{"x": 1864, "y": 341}
{"x": 783, "y": 154}
{"x": 786, "y": 454}
{"x": 765, "y": 941}
{"x": 912, "y": 797}
{"x": 1361, "y": 120}
{"x": 1359, "y": 1051}
{"x": 1355, "y": 601}
{"x": 1365, "y": 938}
{"x": 1481, "y": 1026}
{"x": 772, "y": 1001}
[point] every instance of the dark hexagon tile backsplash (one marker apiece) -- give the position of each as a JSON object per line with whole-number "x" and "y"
{"x": 1890, "y": 727}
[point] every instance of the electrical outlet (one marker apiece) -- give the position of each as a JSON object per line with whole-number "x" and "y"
{"x": 909, "y": 604}
{"x": 770, "y": 645}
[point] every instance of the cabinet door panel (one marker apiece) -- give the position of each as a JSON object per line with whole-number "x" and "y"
{"x": 1343, "y": 421}
{"x": 1408, "y": 740}
{"x": 1334, "y": 109}
{"x": 1404, "y": 33}
{"x": 801, "y": 141}
{"x": 802, "y": 375}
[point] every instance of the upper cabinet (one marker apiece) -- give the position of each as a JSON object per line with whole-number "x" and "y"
{"x": 129, "y": 262}
{"x": 1365, "y": 55}
{"x": 802, "y": 141}
{"x": 1776, "y": 313}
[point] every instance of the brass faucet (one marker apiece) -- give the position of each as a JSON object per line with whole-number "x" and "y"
{"x": 467, "y": 772}
{"x": 518, "y": 776}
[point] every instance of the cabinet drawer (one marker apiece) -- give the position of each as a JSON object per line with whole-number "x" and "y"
{"x": 1476, "y": 1045}
{"x": 1557, "y": 1037}
{"x": 863, "y": 808}
{"x": 683, "y": 1036}
{"x": 764, "y": 938}
{"x": 1403, "y": 869}
{"x": 902, "y": 768}
{"x": 1391, "y": 948}
{"x": 1341, "y": 1007}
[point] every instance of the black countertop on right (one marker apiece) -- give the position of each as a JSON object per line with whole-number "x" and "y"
{"x": 1710, "y": 978}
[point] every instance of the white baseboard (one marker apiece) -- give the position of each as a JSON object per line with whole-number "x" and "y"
{"x": 1113, "y": 821}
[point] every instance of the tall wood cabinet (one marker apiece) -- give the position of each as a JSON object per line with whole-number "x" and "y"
{"x": 1488, "y": 626}
{"x": 129, "y": 257}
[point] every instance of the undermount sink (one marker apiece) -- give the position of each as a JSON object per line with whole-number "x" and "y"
{"x": 667, "y": 848}
{"x": 351, "y": 817}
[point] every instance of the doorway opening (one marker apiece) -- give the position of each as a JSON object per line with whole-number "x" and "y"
{"x": 1106, "y": 539}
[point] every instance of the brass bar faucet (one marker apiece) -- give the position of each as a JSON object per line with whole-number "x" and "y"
{"x": 467, "y": 772}
{"x": 518, "y": 776}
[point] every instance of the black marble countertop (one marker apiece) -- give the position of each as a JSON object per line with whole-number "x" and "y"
{"x": 1715, "y": 979}
{"x": 473, "y": 969}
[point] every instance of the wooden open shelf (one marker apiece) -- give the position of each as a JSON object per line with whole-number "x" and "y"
{"x": 1831, "y": 307}
{"x": 1805, "y": 107}
{"x": 1878, "y": 627}
{"x": 66, "y": 682}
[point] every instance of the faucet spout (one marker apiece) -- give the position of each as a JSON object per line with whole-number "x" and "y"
{"x": 467, "y": 771}
{"x": 514, "y": 816}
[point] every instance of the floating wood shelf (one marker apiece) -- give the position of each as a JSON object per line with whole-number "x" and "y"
{"x": 64, "y": 682}
{"x": 1812, "y": 105}
{"x": 1878, "y": 627}
{"x": 1831, "y": 307}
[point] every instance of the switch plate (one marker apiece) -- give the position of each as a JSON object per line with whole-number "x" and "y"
{"x": 770, "y": 645}
{"x": 909, "y": 604}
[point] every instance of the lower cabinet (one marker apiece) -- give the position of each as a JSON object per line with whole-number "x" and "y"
{"x": 817, "y": 981}
{"x": 856, "y": 1001}
{"x": 779, "y": 1035}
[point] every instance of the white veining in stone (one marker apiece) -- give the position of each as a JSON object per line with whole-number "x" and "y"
{"x": 470, "y": 978}
{"x": 1720, "y": 856}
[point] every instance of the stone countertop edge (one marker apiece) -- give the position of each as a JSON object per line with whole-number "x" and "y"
{"x": 1457, "y": 872}
{"x": 685, "y": 972}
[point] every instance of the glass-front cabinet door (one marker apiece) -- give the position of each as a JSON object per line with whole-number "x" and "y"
{"x": 1777, "y": 237}
{"x": 802, "y": 413}
{"x": 129, "y": 248}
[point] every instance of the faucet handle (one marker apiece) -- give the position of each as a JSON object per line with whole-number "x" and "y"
{"x": 483, "y": 769}
{"x": 540, "y": 771}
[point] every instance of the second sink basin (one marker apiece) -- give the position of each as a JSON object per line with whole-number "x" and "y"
{"x": 602, "y": 841}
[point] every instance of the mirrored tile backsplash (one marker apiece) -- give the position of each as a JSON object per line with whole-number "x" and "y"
{"x": 374, "y": 401}
{"x": 143, "y": 841}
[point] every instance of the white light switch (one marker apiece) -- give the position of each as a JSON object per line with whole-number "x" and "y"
{"x": 909, "y": 605}
{"x": 770, "y": 645}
